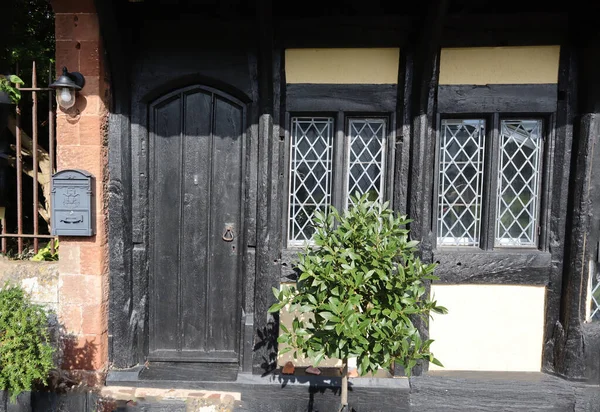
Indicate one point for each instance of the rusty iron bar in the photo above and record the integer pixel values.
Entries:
(34, 137)
(3, 244)
(19, 164)
(26, 236)
(51, 116)
(20, 236)
(35, 89)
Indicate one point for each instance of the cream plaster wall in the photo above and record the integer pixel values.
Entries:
(499, 65)
(342, 66)
(488, 327)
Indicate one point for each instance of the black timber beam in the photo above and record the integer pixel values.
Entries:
(422, 110)
(562, 140)
(577, 341)
(124, 325)
(267, 271)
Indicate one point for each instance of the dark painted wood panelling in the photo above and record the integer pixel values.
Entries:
(305, 97)
(197, 152)
(508, 98)
(493, 267)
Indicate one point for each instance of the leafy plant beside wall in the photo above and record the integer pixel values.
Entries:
(359, 289)
(25, 350)
(8, 85)
(46, 253)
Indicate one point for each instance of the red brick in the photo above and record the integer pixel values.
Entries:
(70, 317)
(67, 55)
(89, 58)
(90, 130)
(92, 86)
(92, 102)
(73, 6)
(93, 260)
(84, 352)
(69, 261)
(86, 27)
(94, 319)
(81, 157)
(67, 131)
(79, 289)
(64, 26)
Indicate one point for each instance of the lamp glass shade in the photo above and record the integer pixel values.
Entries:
(65, 97)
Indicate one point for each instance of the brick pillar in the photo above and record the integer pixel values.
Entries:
(83, 264)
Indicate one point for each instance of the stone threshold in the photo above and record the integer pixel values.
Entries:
(130, 378)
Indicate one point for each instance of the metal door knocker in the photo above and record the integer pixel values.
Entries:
(228, 236)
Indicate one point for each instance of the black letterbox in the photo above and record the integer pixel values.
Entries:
(72, 203)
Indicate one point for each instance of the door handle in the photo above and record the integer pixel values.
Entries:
(228, 235)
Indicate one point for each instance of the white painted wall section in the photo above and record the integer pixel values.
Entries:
(488, 327)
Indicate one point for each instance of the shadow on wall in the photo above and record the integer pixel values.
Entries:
(77, 353)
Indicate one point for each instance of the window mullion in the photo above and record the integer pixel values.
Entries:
(340, 165)
(490, 200)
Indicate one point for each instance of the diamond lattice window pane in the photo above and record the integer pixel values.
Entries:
(310, 174)
(366, 154)
(595, 295)
(518, 182)
(460, 187)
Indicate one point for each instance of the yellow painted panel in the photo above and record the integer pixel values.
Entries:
(489, 327)
(499, 65)
(342, 66)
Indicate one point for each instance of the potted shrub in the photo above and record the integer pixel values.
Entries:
(363, 286)
(26, 355)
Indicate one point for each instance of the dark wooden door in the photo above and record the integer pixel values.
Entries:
(196, 162)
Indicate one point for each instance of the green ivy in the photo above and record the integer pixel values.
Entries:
(46, 254)
(26, 355)
(363, 286)
(6, 85)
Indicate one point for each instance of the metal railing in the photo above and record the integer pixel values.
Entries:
(34, 158)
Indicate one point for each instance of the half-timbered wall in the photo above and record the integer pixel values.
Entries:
(384, 70)
(491, 192)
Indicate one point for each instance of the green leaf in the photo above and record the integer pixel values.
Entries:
(15, 79)
(275, 307)
(328, 316)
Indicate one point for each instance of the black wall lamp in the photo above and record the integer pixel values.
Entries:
(66, 87)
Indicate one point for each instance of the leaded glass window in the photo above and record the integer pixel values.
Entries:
(496, 181)
(310, 174)
(518, 183)
(325, 169)
(366, 154)
(460, 183)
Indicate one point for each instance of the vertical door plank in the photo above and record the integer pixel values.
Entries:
(196, 218)
(166, 209)
(223, 316)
